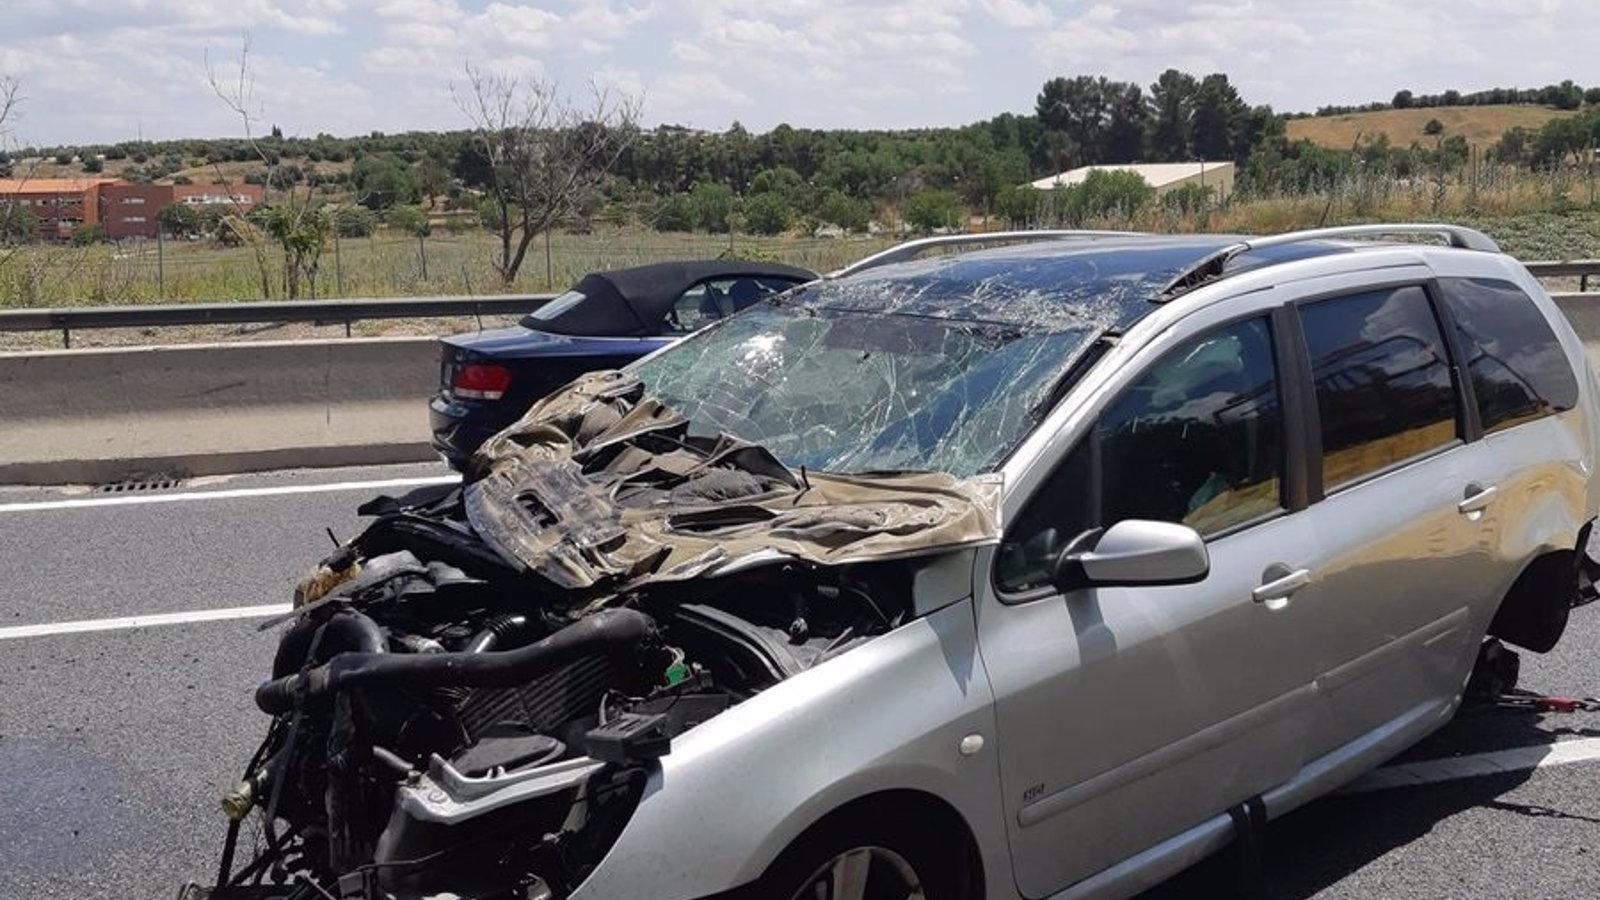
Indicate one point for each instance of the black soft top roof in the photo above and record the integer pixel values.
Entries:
(632, 302)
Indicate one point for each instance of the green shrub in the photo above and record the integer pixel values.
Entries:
(409, 219)
(354, 221)
(713, 203)
(179, 219)
(845, 211)
(17, 225)
(767, 213)
(930, 210)
(86, 234)
(93, 164)
(675, 213)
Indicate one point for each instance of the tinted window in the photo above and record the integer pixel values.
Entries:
(1199, 439)
(1062, 510)
(705, 303)
(1383, 382)
(1519, 372)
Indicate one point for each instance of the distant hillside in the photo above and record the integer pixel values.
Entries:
(1480, 125)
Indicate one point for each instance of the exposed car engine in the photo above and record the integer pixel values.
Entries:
(452, 676)
(468, 697)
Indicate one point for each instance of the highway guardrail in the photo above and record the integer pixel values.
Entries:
(322, 312)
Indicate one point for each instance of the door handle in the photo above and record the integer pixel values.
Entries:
(1281, 588)
(1477, 498)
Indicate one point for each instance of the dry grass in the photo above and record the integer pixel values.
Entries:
(385, 265)
(1480, 125)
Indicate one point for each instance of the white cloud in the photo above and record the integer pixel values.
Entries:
(99, 71)
(1019, 13)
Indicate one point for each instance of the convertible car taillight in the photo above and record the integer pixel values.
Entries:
(477, 381)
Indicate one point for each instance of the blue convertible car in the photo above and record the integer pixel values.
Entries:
(488, 379)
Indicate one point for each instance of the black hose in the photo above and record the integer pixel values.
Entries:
(613, 628)
(344, 630)
(498, 629)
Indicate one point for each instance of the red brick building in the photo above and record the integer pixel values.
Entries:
(121, 208)
(60, 204)
(132, 210)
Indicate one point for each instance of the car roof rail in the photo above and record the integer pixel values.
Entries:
(1214, 267)
(913, 249)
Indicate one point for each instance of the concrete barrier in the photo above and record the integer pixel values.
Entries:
(95, 416)
(104, 415)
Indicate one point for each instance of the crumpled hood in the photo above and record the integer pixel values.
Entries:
(600, 486)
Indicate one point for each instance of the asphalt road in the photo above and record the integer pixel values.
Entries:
(115, 744)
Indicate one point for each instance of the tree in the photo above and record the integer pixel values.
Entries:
(767, 213)
(87, 234)
(1172, 96)
(1403, 100)
(712, 203)
(1075, 111)
(432, 179)
(93, 164)
(545, 153)
(847, 212)
(299, 226)
(382, 181)
(1434, 127)
(1218, 114)
(1128, 120)
(179, 220)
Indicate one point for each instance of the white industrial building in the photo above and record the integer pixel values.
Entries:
(1161, 176)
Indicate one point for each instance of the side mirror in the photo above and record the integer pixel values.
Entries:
(1135, 552)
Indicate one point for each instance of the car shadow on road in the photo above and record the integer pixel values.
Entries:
(1318, 846)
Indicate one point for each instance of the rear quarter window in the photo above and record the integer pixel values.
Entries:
(1382, 376)
(1518, 369)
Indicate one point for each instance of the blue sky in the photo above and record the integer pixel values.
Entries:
(94, 70)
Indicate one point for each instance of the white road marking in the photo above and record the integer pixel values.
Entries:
(1477, 765)
(145, 621)
(231, 494)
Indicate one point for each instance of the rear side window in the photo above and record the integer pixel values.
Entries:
(1518, 369)
(1384, 391)
(1199, 438)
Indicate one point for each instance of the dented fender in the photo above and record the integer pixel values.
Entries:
(889, 715)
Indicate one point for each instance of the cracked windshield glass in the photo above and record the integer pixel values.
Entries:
(842, 391)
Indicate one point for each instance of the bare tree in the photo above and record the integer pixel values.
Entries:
(543, 153)
(15, 222)
(300, 227)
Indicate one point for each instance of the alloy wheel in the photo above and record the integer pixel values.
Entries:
(863, 873)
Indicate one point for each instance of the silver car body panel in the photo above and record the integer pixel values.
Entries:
(1119, 724)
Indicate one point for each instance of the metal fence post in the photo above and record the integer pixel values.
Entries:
(338, 265)
(161, 264)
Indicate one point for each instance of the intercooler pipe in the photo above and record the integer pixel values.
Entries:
(611, 628)
(345, 630)
(495, 633)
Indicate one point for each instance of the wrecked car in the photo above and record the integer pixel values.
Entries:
(1034, 571)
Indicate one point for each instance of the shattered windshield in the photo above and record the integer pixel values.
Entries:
(852, 392)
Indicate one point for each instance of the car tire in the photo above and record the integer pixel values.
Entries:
(872, 854)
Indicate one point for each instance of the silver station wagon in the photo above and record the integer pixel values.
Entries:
(1034, 571)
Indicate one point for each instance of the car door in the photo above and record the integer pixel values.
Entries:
(1399, 563)
(1127, 715)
